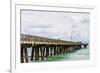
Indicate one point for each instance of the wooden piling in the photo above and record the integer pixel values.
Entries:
(47, 51)
(57, 50)
(22, 55)
(41, 50)
(51, 51)
(54, 50)
(36, 53)
(26, 55)
(44, 52)
(32, 53)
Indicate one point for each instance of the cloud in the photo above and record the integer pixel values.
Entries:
(56, 25)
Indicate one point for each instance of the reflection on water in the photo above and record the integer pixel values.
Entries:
(81, 54)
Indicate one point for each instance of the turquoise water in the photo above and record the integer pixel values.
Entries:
(81, 54)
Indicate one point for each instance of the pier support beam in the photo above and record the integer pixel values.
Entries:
(44, 55)
(54, 50)
(51, 50)
(47, 51)
(32, 53)
(85, 46)
(66, 49)
(24, 55)
(36, 53)
(42, 49)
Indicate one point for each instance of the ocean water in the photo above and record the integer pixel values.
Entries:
(81, 54)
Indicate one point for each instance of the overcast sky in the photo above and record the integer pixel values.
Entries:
(57, 25)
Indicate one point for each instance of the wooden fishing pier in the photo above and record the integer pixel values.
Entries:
(43, 47)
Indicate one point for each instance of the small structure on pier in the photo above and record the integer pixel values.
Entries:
(43, 47)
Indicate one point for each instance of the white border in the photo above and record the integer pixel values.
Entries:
(16, 66)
